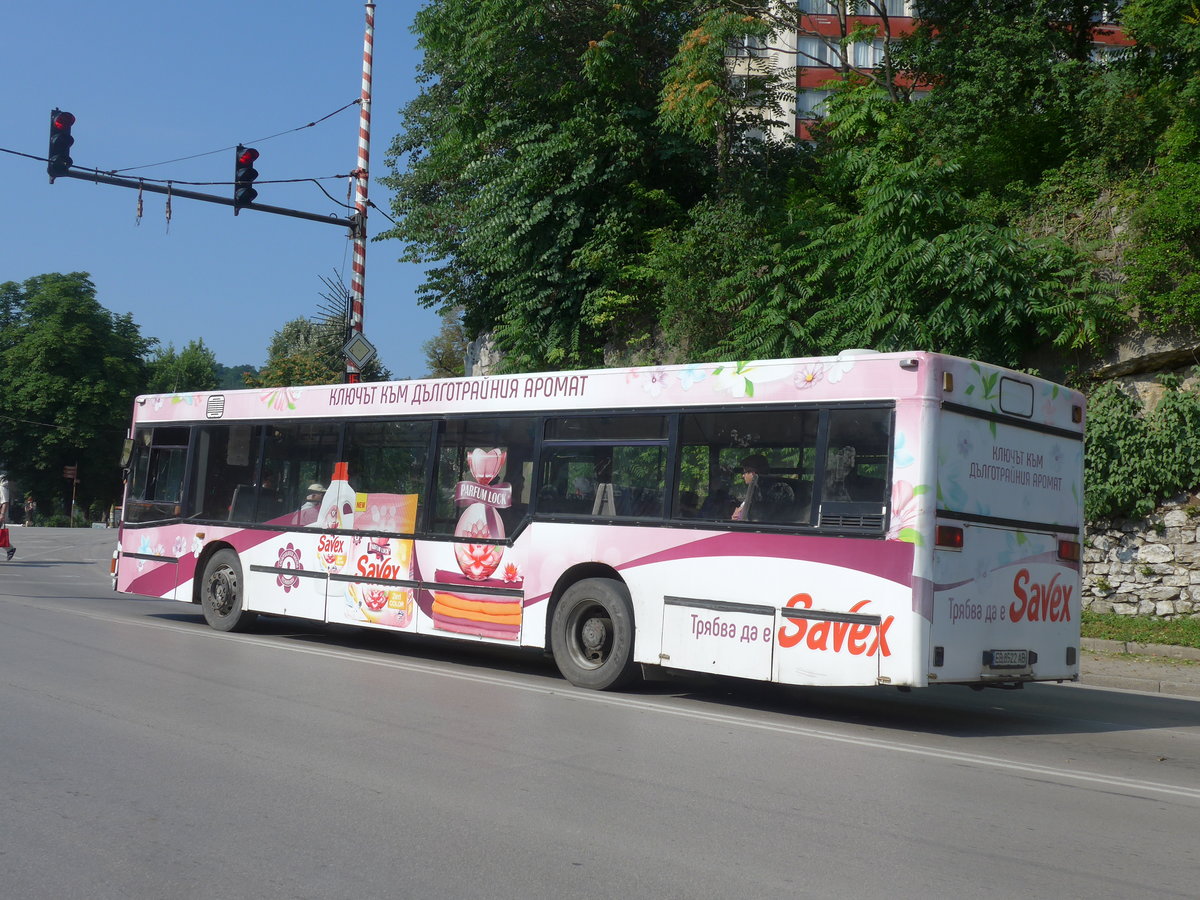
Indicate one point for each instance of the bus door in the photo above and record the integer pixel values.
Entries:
(149, 560)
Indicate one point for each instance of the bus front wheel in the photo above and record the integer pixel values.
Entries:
(221, 593)
(591, 635)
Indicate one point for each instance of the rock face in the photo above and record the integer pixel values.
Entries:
(1145, 567)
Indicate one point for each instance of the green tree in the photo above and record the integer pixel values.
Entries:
(1164, 260)
(717, 93)
(192, 369)
(309, 351)
(594, 192)
(233, 377)
(445, 352)
(1014, 87)
(70, 370)
(532, 160)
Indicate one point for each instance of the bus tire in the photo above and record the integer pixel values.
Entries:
(222, 593)
(591, 635)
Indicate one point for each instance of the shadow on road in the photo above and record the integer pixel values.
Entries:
(949, 711)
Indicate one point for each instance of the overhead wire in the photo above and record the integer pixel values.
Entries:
(234, 147)
(175, 181)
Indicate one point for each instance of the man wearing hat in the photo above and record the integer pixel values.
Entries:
(5, 499)
(752, 466)
(312, 503)
(315, 493)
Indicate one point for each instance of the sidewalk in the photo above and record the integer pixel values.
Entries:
(1156, 668)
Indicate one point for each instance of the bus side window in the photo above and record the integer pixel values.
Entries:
(390, 458)
(225, 457)
(482, 460)
(604, 466)
(156, 488)
(716, 448)
(856, 465)
(603, 481)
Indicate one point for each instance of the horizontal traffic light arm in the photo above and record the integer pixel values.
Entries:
(96, 177)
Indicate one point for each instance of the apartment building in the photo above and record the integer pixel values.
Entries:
(817, 51)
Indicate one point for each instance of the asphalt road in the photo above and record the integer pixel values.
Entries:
(144, 755)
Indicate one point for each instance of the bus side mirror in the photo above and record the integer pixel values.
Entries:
(126, 453)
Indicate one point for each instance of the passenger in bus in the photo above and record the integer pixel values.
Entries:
(312, 504)
(316, 493)
(718, 504)
(689, 505)
(838, 465)
(753, 467)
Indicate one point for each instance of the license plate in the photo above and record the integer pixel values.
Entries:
(1010, 659)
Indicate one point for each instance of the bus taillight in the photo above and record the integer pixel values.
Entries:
(1068, 550)
(949, 537)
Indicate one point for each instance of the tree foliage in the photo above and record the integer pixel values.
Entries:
(604, 183)
(531, 166)
(70, 370)
(309, 350)
(1136, 458)
(194, 368)
(445, 352)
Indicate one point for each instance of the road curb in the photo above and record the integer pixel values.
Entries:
(1165, 650)
(1148, 685)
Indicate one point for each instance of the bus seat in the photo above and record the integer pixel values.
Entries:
(241, 508)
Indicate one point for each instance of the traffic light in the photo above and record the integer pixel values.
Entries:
(59, 158)
(244, 174)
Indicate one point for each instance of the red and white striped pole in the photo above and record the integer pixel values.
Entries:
(362, 175)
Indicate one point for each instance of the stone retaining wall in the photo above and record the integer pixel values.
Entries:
(1147, 567)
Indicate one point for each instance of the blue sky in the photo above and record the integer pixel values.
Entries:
(150, 82)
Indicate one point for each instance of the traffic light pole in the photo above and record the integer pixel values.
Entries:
(351, 223)
(362, 179)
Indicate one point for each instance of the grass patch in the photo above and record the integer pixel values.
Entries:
(1141, 629)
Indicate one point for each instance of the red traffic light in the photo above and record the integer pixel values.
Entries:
(58, 159)
(244, 174)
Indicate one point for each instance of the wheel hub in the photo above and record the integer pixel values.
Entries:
(220, 592)
(595, 636)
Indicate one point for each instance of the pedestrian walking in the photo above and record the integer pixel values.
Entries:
(5, 499)
(30, 510)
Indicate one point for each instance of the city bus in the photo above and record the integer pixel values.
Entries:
(904, 519)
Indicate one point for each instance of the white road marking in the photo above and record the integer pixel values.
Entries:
(1111, 782)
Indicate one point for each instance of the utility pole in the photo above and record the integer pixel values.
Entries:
(358, 350)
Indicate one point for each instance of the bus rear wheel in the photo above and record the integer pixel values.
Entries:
(221, 593)
(591, 635)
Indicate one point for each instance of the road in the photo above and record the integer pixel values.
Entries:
(145, 755)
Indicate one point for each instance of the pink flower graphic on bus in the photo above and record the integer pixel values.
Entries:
(808, 375)
(656, 381)
(478, 560)
(280, 398)
(480, 521)
(906, 506)
(289, 558)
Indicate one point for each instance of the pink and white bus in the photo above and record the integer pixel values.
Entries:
(905, 519)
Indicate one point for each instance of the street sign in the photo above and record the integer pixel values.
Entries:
(359, 350)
